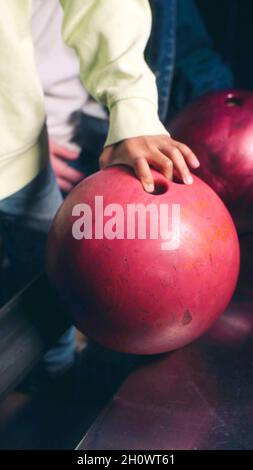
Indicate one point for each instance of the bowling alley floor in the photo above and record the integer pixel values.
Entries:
(48, 422)
(30, 423)
(198, 397)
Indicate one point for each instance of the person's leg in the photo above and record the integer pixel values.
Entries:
(25, 219)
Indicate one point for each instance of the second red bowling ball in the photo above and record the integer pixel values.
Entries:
(218, 127)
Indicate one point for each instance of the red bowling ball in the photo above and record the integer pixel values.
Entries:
(143, 273)
(219, 129)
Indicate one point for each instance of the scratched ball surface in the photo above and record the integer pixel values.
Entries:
(143, 273)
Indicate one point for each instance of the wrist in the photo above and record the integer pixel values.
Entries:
(133, 117)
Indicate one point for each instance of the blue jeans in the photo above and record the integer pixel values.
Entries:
(25, 219)
(181, 55)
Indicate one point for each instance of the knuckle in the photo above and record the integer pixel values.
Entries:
(102, 160)
(184, 147)
(130, 147)
(187, 150)
(146, 180)
(183, 168)
(175, 152)
(166, 138)
(138, 161)
(167, 164)
(145, 154)
(144, 175)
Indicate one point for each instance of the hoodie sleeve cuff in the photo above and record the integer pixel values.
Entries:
(133, 117)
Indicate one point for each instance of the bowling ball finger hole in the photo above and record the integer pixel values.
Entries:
(233, 100)
(160, 188)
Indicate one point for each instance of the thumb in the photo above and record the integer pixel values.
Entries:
(105, 156)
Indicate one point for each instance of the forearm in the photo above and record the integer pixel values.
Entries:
(110, 38)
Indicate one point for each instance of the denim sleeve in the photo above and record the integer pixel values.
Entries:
(198, 69)
(161, 49)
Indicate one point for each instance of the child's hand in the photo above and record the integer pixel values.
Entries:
(161, 152)
(66, 176)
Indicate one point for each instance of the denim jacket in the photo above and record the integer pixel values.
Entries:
(180, 54)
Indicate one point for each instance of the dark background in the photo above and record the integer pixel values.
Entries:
(230, 24)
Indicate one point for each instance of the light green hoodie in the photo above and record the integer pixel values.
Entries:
(109, 37)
